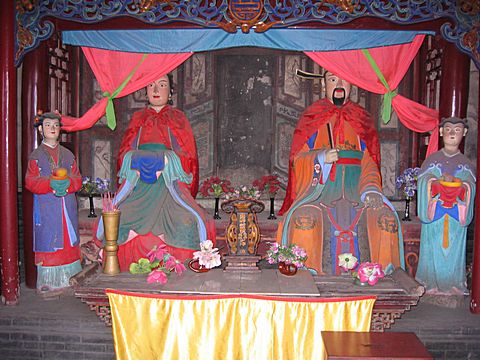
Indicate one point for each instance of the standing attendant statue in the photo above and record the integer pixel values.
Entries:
(53, 178)
(446, 193)
(334, 187)
(159, 179)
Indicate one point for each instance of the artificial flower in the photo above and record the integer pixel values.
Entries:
(215, 186)
(208, 256)
(290, 254)
(408, 180)
(157, 276)
(347, 261)
(158, 265)
(268, 183)
(157, 253)
(173, 264)
(370, 273)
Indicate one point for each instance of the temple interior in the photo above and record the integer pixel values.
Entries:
(238, 87)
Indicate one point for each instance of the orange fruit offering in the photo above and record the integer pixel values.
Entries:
(59, 174)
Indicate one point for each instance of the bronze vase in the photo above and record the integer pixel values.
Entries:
(111, 221)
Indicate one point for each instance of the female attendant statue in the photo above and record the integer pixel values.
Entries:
(446, 192)
(53, 178)
(158, 181)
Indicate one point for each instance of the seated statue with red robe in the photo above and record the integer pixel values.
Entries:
(334, 202)
(158, 181)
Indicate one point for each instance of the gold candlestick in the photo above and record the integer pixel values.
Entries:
(111, 220)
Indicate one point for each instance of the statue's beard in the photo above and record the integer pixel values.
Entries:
(338, 96)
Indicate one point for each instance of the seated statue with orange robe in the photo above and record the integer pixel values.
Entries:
(334, 189)
(159, 179)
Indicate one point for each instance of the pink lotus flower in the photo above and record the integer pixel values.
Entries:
(173, 264)
(370, 272)
(157, 253)
(157, 276)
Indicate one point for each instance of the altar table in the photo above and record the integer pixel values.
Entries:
(395, 294)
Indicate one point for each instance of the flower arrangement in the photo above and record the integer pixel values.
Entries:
(215, 186)
(268, 184)
(244, 191)
(365, 272)
(159, 264)
(208, 256)
(95, 187)
(289, 254)
(408, 181)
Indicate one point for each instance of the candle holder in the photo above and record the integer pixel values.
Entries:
(272, 209)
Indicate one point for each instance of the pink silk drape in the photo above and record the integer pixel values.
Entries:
(393, 61)
(111, 68)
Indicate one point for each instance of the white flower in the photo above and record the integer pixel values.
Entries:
(347, 261)
(208, 256)
(206, 245)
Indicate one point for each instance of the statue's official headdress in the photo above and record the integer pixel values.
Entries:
(308, 75)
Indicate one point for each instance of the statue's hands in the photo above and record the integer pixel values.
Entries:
(60, 187)
(331, 156)
(373, 200)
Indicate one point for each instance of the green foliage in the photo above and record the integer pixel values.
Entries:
(143, 266)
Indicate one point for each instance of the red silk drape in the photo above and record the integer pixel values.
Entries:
(111, 68)
(393, 61)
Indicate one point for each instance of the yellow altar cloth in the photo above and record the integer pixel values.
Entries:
(151, 326)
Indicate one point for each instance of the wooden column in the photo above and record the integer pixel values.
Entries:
(8, 157)
(475, 302)
(454, 82)
(34, 98)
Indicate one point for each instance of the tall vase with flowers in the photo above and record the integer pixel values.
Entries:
(407, 181)
(93, 188)
(216, 187)
(288, 257)
(270, 185)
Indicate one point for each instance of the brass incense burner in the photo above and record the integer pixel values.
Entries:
(111, 221)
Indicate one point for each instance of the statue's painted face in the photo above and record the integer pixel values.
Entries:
(453, 133)
(50, 130)
(337, 90)
(158, 92)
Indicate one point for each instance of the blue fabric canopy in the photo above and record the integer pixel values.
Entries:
(195, 40)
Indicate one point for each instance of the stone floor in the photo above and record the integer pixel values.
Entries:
(66, 329)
